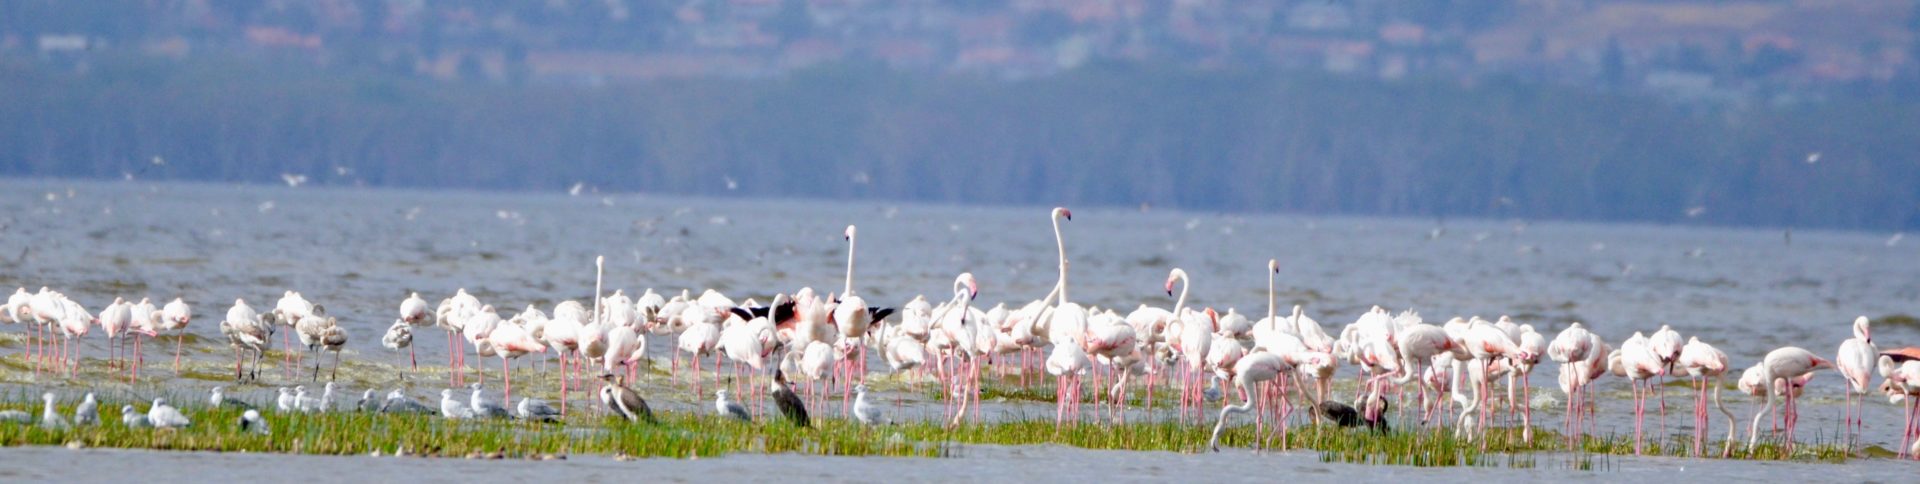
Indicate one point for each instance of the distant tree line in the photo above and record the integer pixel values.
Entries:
(1105, 134)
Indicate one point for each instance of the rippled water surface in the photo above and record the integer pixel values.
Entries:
(359, 252)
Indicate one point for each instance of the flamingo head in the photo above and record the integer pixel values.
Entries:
(966, 279)
(1863, 328)
(1816, 363)
(1273, 265)
(1062, 212)
(849, 232)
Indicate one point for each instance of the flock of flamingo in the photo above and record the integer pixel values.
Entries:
(1271, 363)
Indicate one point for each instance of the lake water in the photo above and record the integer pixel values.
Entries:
(360, 251)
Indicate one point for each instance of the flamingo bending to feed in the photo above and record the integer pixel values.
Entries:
(1706, 366)
(1789, 363)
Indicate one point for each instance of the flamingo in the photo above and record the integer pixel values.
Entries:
(1486, 343)
(1701, 362)
(333, 339)
(701, 337)
(1638, 363)
(1066, 363)
(289, 310)
(74, 323)
(1571, 348)
(1260, 366)
(1900, 381)
(413, 312)
(1665, 345)
(622, 342)
(1194, 340)
(1532, 347)
(174, 317)
(114, 320)
(1789, 363)
(314, 329)
(400, 335)
(14, 312)
(852, 319)
(246, 332)
(146, 322)
(1855, 360)
(562, 334)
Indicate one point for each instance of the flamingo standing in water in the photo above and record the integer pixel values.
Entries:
(510, 341)
(1261, 366)
(413, 312)
(146, 322)
(1790, 364)
(562, 335)
(399, 335)
(1195, 337)
(174, 317)
(1705, 366)
(1665, 345)
(1900, 381)
(114, 320)
(1855, 361)
(290, 310)
(74, 323)
(1639, 364)
(852, 319)
(246, 333)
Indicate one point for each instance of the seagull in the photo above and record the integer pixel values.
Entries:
(165, 416)
(88, 412)
(301, 402)
(251, 422)
(536, 410)
(451, 408)
(397, 402)
(482, 407)
(730, 408)
(325, 403)
(367, 403)
(132, 419)
(219, 399)
(866, 412)
(50, 418)
(788, 403)
(623, 401)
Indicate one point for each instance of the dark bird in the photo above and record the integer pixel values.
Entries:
(251, 422)
(780, 311)
(623, 401)
(1346, 416)
(789, 403)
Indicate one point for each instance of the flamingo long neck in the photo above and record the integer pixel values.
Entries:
(599, 271)
(852, 241)
(1060, 242)
(1181, 303)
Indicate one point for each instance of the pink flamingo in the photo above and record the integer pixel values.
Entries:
(1789, 363)
(174, 317)
(510, 341)
(1855, 361)
(1706, 366)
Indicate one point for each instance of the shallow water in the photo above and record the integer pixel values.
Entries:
(976, 464)
(360, 251)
